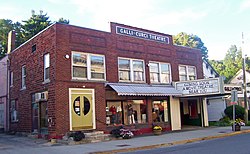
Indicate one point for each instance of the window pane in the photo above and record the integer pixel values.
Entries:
(191, 70)
(98, 63)
(114, 113)
(164, 68)
(46, 76)
(192, 77)
(138, 76)
(182, 70)
(23, 71)
(46, 61)
(160, 111)
(154, 77)
(124, 75)
(124, 64)
(183, 78)
(154, 67)
(97, 75)
(79, 59)
(137, 65)
(165, 78)
(135, 111)
(80, 72)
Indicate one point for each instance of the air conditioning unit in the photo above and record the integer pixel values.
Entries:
(43, 96)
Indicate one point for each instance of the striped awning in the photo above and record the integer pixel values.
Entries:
(123, 89)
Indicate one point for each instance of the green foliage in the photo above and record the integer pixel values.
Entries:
(225, 121)
(35, 24)
(239, 112)
(231, 64)
(63, 21)
(32, 26)
(192, 41)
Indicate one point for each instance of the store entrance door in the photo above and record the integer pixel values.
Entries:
(43, 117)
(82, 105)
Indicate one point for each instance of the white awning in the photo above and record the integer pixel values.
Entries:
(124, 89)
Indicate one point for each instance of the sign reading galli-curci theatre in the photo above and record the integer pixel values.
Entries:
(200, 87)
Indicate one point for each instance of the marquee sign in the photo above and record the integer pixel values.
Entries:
(142, 35)
(199, 87)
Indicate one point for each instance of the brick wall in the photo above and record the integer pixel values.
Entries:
(59, 40)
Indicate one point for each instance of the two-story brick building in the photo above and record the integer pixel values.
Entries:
(69, 78)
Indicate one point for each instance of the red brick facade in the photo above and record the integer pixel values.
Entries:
(60, 40)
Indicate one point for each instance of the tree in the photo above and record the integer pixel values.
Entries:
(32, 26)
(231, 63)
(192, 41)
(63, 21)
(6, 25)
(35, 24)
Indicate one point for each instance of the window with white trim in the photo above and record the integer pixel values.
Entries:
(11, 78)
(23, 77)
(46, 66)
(159, 72)
(88, 66)
(187, 73)
(13, 111)
(131, 70)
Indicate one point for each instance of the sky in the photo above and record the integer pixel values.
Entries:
(219, 23)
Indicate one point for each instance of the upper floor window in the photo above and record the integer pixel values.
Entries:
(46, 66)
(23, 77)
(88, 66)
(11, 79)
(131, 70)
(159, 72)
(187, 73)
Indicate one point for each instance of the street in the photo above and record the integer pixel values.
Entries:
(230, 145)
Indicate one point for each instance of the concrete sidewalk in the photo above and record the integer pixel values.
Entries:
(169, 139)
(126, 145)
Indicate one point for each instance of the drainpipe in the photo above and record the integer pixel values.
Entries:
(8, 97)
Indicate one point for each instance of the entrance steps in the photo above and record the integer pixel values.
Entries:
(90, 137)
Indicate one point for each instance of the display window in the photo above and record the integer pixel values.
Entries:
(160, 111)
(126, 112)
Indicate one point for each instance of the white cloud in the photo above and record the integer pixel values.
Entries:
(149, 14)
(245, 5)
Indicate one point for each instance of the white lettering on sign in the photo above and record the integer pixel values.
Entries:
(198, 87)
(142, 35)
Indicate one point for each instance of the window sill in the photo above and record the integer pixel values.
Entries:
(86, 80)
(24, 88)
(46, 81)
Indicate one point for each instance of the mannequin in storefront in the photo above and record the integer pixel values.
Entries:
(119, 115)
(131, 118)
(112, 109)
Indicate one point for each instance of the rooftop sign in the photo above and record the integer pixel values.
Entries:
(142, 35)
(200, 87)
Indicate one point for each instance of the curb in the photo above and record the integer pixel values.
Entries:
(172, 143)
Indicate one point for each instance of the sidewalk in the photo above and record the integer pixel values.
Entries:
(124, 145)
(167, 139)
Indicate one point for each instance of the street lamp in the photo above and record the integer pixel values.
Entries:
(244, 80)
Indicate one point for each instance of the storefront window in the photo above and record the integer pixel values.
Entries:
(160, 111)
(126, 112)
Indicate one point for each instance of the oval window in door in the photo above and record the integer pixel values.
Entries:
(76, 106)
(86, 106)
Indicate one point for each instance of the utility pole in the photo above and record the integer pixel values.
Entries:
(244, 82)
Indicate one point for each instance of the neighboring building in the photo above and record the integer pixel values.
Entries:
(208, 70)
(69, 78)
(215, 105)
(237, 82)
(3, 94)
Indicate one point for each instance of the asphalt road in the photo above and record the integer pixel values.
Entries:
(239, 144)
